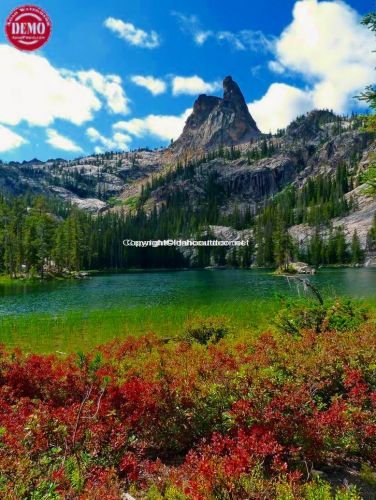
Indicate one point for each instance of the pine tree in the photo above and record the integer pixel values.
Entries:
(283, 246)
(371, 236)
(357, 255)
(315, 249)
(260, 244)
(341, 246)
(331, 248)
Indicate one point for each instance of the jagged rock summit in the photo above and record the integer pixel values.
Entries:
(217, 122)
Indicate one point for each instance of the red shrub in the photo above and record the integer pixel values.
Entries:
(224, 418)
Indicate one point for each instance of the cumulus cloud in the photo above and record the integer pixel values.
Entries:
(279, 106)
(34, 91)
(10, 140)
(327, 47)
(119, 141)
(59, 141)
(165, 127)
(108, 86)
(193, 85)
(31, 89)
(134, 36)
(155, 86)
(189, 85)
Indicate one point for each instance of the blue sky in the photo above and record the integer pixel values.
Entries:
(121, 74)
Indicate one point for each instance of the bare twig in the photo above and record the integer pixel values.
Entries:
(98, 405)
(85, 398)
(308, 284)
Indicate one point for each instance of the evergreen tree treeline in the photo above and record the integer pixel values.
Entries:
(37, 233)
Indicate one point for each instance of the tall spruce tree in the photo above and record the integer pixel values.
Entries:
(357, 255)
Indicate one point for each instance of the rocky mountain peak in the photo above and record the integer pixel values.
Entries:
(216, 122)
(310, 125)
(231, 90)
(202, 107)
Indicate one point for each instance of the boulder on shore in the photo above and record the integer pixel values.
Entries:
(302, 268)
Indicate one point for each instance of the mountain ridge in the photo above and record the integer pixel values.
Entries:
(246, 174)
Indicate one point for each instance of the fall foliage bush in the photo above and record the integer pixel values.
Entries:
(183, 420)
(206, 330)
(340, 314)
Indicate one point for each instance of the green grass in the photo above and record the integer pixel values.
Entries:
(78, 330)
(83, 330)
(132, 202)
(8, 281)
(115, 201)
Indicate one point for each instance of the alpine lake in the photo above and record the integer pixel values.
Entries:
(72, 315)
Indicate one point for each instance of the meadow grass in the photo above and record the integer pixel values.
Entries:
(14, 282)
(83, 330)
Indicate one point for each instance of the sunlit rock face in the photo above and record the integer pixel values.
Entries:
(217, 122)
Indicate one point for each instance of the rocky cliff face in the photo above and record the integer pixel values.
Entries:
(314, 144)
(217, 122)
(93, 183)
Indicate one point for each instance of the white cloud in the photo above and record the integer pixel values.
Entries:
(109, 86)
(232, 38)
(311, 34)
(279, 106)
(59, 141)
(193, 85)
(192, 26)
(154, 85)
(256, 40)
(31, 89)
(201, 36)
(131, 34)
(10, 140)
(190, 85)
(118, 141)
(165, 127)
(34, 91)
(276, 67)
(253, 40)
(326, 46)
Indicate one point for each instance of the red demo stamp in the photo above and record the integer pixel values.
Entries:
(28, 27)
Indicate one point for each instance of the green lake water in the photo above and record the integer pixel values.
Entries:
(80, 314)
(174, 287)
